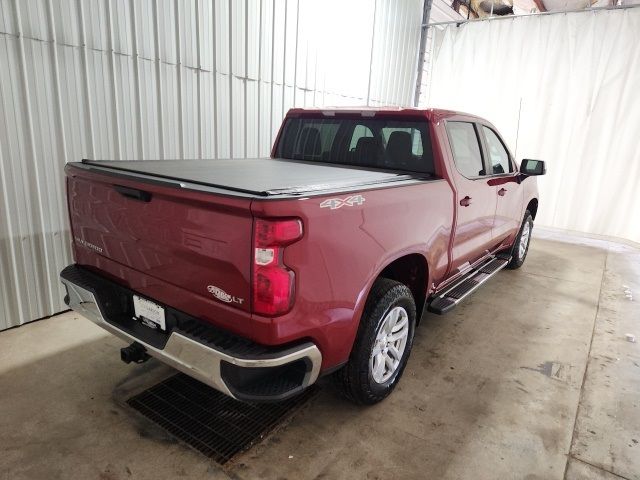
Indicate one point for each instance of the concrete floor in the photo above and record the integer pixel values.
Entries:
(531, 378)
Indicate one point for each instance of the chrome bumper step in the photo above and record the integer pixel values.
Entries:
(233, 365)
(451, 296)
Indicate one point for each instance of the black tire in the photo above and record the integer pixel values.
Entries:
(517, 257)
(355, 380)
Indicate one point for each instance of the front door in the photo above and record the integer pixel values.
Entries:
(508, 191)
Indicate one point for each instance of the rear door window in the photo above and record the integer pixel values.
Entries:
(466, 148)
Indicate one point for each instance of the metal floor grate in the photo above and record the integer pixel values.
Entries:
(209, 421)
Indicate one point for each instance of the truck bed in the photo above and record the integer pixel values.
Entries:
(262, 177)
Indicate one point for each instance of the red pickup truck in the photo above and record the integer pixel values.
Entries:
(256, 276)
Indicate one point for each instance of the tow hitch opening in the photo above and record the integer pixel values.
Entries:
(134, 353)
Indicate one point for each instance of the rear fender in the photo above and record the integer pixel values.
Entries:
(378, 272)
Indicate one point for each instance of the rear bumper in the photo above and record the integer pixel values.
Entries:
(233, 365)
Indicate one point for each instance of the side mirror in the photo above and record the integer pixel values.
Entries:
(532, 167)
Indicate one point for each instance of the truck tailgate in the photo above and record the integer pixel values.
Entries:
(198, 241)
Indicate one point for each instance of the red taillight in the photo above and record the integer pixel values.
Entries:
(273, 282)
(278, 232)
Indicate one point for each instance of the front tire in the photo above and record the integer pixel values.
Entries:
(521, 244)
(382, 346)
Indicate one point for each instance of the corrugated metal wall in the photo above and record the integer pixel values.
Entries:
(441, 11)
(130, 79)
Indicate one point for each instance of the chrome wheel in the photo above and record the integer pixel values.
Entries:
(389, 346)
(525, 236)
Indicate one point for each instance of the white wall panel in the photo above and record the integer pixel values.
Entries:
(236, 123)
(149, 109)
(223, 109)
(264, 118)
(562, 88)
(144, 28)
(207, 115)
(252, 126)
(125, 79)
(190, 114)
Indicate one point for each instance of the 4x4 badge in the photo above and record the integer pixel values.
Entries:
(334, 203)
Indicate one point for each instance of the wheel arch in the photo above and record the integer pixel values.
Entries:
(411, 270)
(532, 206)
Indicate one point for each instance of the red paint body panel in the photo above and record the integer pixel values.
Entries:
(343, 251)
(172, 247)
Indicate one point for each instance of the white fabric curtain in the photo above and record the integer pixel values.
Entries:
(564, 88)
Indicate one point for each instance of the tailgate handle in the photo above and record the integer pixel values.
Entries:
(133, 193)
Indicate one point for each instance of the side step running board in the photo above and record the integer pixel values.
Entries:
(448, 299)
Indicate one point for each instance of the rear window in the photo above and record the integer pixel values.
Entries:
(364, 142)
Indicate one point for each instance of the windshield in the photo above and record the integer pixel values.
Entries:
(364, 142)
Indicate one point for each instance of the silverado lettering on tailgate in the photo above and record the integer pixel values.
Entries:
(89, 245)
(224, 296)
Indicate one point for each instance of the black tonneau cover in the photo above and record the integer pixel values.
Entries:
(258, 176)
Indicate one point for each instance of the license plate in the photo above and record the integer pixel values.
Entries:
(149, 313)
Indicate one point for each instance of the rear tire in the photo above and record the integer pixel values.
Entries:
(382, 346)
(521, 244)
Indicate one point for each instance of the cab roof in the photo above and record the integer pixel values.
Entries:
(432, 114)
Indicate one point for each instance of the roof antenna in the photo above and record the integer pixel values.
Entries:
(515, 153)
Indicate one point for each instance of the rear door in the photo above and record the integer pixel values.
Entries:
(476, 200)
(503, 178)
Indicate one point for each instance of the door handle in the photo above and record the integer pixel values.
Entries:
(466, 201)
(502, 191)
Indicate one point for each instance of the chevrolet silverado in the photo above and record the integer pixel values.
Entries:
(257, 276)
